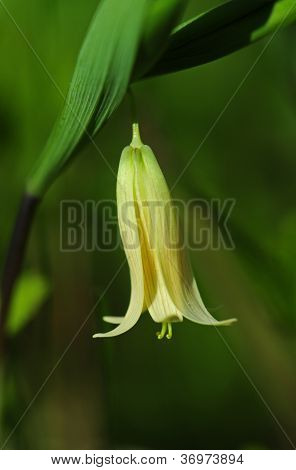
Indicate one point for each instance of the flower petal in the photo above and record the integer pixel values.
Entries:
(128, 322)
(130, 237)
(188, 296)
(151, 207)
(113, 320)
(177, 287)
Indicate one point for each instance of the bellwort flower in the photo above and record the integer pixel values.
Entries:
(162, 281)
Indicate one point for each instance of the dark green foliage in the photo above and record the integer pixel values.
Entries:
(223, 30)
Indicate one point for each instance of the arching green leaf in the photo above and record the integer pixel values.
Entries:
(99, 83)
(223, 30)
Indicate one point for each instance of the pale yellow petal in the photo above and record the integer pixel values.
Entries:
(113, 320)
(128, 322)
(187, 295)
(150, 215)
(130, 238)
(177, 287)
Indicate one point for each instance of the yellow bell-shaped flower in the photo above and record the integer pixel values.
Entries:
(162, 281)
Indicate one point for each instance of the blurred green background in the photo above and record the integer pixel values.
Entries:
(204, 389)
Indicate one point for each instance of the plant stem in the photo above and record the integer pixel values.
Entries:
(133, 106)
(15, 254)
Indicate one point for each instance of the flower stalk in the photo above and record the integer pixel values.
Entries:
(15, 254)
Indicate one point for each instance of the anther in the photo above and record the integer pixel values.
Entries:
(161, 334)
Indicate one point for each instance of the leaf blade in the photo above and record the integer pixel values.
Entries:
(99, 83)
(221, 31)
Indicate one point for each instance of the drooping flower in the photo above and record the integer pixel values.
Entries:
(162, 281)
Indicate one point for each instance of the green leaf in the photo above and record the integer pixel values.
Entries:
(30, 292)
(99, 84)
(106, 63)
(223, 30)
(160, 19)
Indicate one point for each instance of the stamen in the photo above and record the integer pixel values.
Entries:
(170, 331)
(161, 334)
(166, 331)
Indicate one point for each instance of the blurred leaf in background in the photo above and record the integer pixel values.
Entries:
(30, 292)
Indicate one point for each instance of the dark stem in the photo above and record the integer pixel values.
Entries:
(15, 254)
